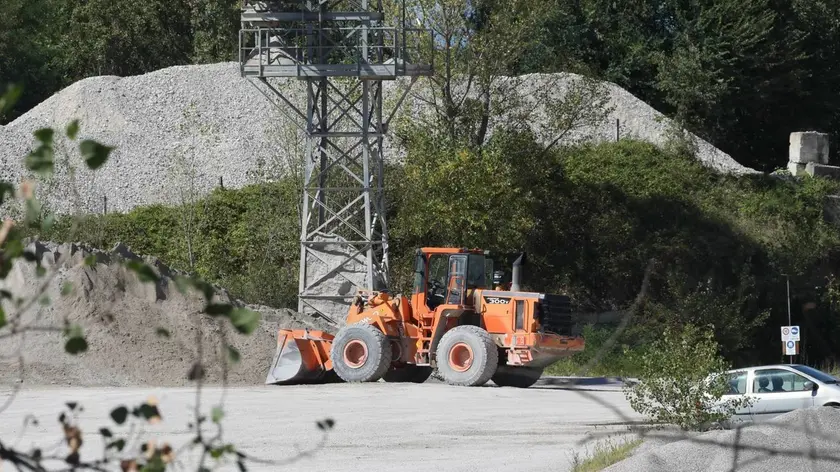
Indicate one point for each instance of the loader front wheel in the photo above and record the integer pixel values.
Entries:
(467, 356)
(360, 353)
(520, 377)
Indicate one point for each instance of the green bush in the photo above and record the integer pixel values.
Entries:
(244, 240)
(682, 381)
(590, 218)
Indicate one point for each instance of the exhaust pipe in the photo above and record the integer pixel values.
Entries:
(517, 273)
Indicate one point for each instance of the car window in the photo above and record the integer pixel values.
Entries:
(737, 383)
(778, 381)
(817, 374)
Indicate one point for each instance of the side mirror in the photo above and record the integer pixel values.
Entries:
(811, 386)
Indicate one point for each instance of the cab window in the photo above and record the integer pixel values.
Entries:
(477, 275)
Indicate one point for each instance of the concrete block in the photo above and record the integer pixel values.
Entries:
(808, 146)
(796, 169)
(820, 170)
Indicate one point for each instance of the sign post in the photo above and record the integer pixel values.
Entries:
(790, 341)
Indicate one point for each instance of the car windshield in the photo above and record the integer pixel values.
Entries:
(817, 374)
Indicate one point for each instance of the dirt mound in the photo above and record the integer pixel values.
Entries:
(121, 317)
(804, 439)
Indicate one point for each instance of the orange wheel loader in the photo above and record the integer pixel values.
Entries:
(455, 322)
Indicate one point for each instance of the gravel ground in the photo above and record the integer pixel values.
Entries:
(801, 440)
(120, 316)
(378, 427)
(192, 125)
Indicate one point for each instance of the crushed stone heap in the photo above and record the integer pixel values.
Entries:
(120, 316)
(804, 439)
(190, 126)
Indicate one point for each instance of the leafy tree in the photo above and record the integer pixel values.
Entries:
(215, 27)
(106, 37)
(25, 53)
(474, 44)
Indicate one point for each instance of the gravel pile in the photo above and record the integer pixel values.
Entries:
(805, 439)
(189, 126)
(120, 316)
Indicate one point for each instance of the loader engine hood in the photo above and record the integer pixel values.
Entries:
(554, 312)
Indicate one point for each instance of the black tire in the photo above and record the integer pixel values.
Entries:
(375, 361)
(483, 356)
(409, 373)
(520, 377)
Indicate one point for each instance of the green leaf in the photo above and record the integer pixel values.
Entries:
(90, 260)
(66, 288)
(45, 136)
(326, 425)
(2, 317)
(73, 129)
(245, 321)
(40, 161)
(106, 432)
(10, 97)
(45, 300)
(6, 189)
(94, 154)
(149, 411)
(216, 309)
(48, 222)
(119, 444)
(196, 372)
(33, 212)
(184, 283)
(76, 345)
(40, 271)
(217, 414)
(162, 332)
(143, 271)
(233, 354)
(119, 415)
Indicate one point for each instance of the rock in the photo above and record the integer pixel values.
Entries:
(821, 170)
(796, 169)
(808, 146)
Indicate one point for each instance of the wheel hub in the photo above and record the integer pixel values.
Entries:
(355, 354)
(460, 357)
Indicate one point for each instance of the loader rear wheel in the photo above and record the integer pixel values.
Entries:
(360, 353)
(467, 356)
(520, 377)
(409, 373)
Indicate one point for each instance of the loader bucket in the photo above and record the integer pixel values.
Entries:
(302, 356)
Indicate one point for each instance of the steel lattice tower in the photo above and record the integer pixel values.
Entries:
(343, 52)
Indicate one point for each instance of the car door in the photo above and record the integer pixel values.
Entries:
(777, 391)
(738, 383)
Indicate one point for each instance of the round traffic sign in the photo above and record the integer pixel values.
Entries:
(791, 344)
(785, 330)
(794, 330)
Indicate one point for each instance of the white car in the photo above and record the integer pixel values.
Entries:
(778, 389)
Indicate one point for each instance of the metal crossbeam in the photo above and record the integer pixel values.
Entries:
(342, 51)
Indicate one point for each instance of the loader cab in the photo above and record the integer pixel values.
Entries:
(447, 276)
